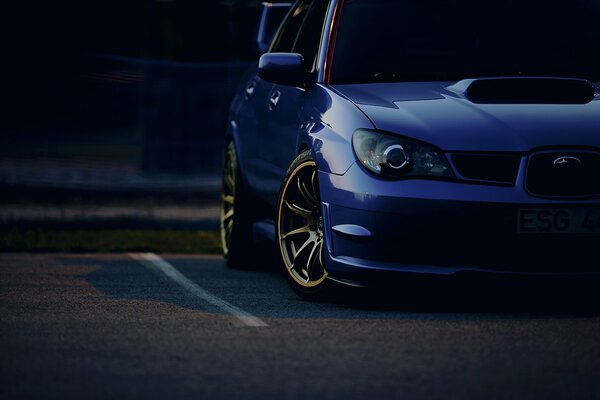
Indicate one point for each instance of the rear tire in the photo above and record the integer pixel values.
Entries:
(236, 214)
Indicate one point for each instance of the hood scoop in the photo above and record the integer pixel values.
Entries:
(524, 90)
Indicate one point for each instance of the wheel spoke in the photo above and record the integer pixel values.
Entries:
(227, 198)
(302, 248)
(304, 229)
(231, 182)
(298, 210)
(312, 258)
(321, 254)
(305, 193)
(293, 249)
(228, 215)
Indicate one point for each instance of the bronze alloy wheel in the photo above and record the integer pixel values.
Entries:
(300, 226)
(228, 197)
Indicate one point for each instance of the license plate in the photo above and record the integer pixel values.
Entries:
(559, 220)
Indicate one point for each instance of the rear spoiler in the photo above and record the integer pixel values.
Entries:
(263, 38)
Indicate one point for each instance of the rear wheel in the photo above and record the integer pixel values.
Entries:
(236, 214)
(300, 229)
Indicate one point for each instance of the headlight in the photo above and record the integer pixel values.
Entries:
(395, 157)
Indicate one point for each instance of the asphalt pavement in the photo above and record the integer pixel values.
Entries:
(186, 327)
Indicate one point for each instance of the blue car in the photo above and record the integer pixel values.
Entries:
(377, 138)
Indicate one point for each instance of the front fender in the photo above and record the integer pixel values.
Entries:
(329, 134)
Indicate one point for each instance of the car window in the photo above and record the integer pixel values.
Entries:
(448, 40)
(285, 38)
(309, 38)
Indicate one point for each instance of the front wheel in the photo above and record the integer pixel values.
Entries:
(300, 229)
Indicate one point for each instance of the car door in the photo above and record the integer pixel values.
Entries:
(278, 132)
(250, 111)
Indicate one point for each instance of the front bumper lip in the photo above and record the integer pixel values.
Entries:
(368, 273)
(415, 217)
(361, 265)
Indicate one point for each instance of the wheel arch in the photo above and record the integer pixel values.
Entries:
(329, 120)
(232, 135)
(302, 148)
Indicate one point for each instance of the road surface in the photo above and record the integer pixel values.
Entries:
(185, 327)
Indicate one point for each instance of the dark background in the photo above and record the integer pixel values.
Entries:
(144, 82)
(113, 117)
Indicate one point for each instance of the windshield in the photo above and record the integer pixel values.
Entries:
(449, 40)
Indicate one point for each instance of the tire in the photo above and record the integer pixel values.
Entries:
(299, 230)
(236, 216)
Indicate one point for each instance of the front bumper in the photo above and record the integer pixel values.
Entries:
(441, 227)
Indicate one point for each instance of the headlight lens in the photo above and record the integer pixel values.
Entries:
(395, 157)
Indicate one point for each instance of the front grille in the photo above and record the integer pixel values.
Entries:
(498, 168)
(568, 174)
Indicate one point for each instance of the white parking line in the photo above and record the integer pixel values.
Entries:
(154, 262)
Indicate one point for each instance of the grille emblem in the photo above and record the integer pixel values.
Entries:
(568, 161)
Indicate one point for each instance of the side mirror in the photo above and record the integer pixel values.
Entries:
(283, 69)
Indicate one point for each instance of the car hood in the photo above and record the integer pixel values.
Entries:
(436, 113)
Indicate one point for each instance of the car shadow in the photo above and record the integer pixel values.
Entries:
(263, 292)
(527, 295)
(125, 279)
